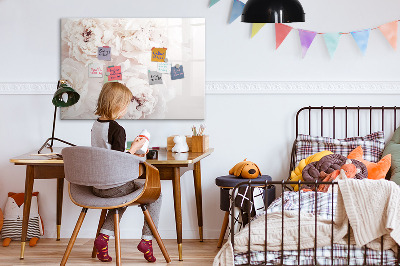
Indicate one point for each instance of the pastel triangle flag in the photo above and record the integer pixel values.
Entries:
(389, 30)
(256, 28)
(237, 9)
(332, 41)
(361, 37)
(306, 39)
(281, 31)
(213, 2)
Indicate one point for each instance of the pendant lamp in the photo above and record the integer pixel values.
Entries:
(273, 11)
(63, 97)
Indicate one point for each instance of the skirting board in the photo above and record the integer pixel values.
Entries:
(250, 87)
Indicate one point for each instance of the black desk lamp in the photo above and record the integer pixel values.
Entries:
(64, 96)
(273, 11)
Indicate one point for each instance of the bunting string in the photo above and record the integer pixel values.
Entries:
(361, 37)
(343, 33)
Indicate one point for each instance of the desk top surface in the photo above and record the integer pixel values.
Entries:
(164, 157)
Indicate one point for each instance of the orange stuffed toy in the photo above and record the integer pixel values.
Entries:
(375, 170)
(245, 169)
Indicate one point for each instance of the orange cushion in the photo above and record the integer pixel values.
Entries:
(375, 170)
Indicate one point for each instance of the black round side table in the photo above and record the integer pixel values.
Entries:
(228, 182)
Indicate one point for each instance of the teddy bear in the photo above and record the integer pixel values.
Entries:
(13, 215)
(180, 144)
(245, 169)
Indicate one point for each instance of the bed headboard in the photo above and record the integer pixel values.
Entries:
(375, 114)
(344, 121)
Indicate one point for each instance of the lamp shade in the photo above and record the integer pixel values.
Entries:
(273, 11)
(65, 96)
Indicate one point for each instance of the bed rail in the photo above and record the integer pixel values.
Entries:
(336, 122)
(265, 185)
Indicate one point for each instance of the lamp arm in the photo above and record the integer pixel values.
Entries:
(46, 143)
(54, 126)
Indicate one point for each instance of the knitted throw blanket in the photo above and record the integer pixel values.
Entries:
(373, 209)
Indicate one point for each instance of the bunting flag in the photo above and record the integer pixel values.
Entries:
(389, 30)
(332, 41)
(306, 39)
(256, 28)
(213, 2)
(361, 37)
(281, 31)
(237, 9)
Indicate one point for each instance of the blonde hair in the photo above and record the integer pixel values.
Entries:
(113, 98)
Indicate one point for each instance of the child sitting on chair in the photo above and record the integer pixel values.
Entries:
(112, 104)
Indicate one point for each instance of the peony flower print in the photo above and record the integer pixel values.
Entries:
(131, 41)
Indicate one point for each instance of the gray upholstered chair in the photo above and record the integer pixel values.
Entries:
(85, 167)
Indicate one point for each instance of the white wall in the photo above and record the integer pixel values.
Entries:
(259, 127)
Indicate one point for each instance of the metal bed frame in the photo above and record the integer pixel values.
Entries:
(284, 183)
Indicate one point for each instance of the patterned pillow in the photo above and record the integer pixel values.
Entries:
(372, 144)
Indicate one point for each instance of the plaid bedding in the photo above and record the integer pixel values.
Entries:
(340, 253)
(306, 202)
(323, 207)
(372, 145)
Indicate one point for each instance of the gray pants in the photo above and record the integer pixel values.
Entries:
(154, 208)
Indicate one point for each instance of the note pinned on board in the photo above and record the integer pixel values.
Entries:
(158, 54)
(164, 67)
(155, 77)
(115, 73)
(104, 53)
(95, 70)
(105, 78)
(177, 72)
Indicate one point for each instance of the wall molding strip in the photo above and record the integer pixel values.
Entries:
(304, 87)
(249, 87)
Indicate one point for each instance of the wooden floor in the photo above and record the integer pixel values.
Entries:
(50, 252)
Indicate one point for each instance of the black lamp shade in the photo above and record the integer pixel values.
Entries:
(273, 11)
(73, 96)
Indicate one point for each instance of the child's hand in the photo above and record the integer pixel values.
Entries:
(143, 155)
(137, 144)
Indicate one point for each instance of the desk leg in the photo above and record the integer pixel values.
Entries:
(176, 182)
(27, 206)
(60, 190)
(199, 204)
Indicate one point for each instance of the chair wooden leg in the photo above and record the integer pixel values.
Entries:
(154, 230)
(223, 229)
(73, 237)
(101, 222)
(117, 239)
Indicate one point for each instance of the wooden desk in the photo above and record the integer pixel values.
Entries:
(171, 167)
